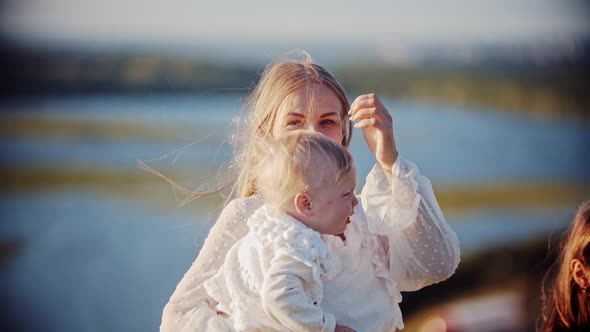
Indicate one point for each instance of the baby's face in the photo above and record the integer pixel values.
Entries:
(333, 204)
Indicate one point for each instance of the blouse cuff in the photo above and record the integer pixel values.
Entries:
(390, 208)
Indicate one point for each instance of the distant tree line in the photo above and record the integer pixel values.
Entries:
(33, 72)
(559, 88)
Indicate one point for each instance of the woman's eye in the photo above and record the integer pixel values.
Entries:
(327, 122)
(294, 123)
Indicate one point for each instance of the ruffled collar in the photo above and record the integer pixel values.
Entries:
(287, 234)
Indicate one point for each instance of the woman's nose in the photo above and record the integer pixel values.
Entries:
(312, 127)
(355, 201)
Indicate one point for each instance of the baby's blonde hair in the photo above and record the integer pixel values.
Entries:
(300, 161)
(278, 81)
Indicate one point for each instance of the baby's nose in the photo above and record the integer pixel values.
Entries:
(355, 201)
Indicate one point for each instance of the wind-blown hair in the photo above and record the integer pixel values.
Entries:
(300, 161)
(566, 307)
(278, 81)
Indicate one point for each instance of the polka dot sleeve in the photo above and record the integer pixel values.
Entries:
(421, 247)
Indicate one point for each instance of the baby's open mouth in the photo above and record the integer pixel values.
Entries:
(348, 220)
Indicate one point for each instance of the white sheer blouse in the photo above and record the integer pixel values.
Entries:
(420, 246)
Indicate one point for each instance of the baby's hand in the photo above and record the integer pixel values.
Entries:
(340, 328)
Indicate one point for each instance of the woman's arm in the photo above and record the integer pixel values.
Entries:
(401, 207)
(377, 125)
(189, 307)
(421, 247)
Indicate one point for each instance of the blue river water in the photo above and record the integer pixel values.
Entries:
(95, 262)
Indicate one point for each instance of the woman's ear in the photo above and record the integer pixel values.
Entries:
(580, 273)
(303, 204)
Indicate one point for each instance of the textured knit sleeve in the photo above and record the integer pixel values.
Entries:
(284, 298)
(189, 307)
(298, 261)
(421, 247)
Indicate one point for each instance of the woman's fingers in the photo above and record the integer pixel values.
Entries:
(365, 123)
(374, 123)
(368, 106)
(377, 124)
(357, 106)
(363, 113)
(366, 96)
(365, 101)
(372, 112)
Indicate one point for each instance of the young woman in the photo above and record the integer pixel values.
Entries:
(397, 202)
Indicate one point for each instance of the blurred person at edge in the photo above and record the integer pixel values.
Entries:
(566, 305)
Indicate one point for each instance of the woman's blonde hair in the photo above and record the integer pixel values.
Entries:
(300, 161)
(565, 305)
(278, 81)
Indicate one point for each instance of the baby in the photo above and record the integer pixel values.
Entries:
(273, 278)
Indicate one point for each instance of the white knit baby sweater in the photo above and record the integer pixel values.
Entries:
(273, 277)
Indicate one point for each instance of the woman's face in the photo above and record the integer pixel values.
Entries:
(322, 114)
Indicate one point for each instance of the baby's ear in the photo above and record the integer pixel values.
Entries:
(303, 204)
(580, 274)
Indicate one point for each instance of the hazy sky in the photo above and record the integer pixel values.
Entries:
(336, 21)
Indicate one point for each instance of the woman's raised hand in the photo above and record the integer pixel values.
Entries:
(369, 114)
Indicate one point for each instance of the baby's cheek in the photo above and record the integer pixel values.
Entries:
(331, 202)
